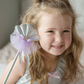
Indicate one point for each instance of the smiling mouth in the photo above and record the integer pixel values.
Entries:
(58, 47)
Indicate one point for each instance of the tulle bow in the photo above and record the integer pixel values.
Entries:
(23, 39)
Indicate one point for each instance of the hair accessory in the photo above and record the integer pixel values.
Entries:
(23, 39)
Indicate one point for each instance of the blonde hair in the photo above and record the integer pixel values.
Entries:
(37, 67)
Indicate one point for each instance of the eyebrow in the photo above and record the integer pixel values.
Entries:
(55, 28)
(67, 28)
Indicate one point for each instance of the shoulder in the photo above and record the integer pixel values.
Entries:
(16, 71)
(19, 65)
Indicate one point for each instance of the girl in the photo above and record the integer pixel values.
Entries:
(58, 57)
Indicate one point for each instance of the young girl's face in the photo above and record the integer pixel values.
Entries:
(55, 33)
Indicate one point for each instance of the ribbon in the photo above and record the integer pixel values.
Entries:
(53, 75)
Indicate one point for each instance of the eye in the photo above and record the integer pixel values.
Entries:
(51, 31)
(66, 31)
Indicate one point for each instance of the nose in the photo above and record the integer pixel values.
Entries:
(59, 38)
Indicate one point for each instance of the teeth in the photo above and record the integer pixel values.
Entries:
(58, 46)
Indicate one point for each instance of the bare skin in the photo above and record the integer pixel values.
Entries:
(50, 62)
(15, 73)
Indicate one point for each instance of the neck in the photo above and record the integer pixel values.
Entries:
(50, 61)
(49, 57)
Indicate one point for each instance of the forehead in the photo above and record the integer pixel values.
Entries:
(54, 20)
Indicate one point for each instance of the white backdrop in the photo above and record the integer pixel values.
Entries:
(78, 5)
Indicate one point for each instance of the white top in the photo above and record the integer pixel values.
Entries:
(53, 80)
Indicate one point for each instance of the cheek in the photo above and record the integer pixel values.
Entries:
(45, 41)
(68, 39)
(42, 41)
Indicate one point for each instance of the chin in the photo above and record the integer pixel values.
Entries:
(57, 53)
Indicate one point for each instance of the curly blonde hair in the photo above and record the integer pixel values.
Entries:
(37, 67)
